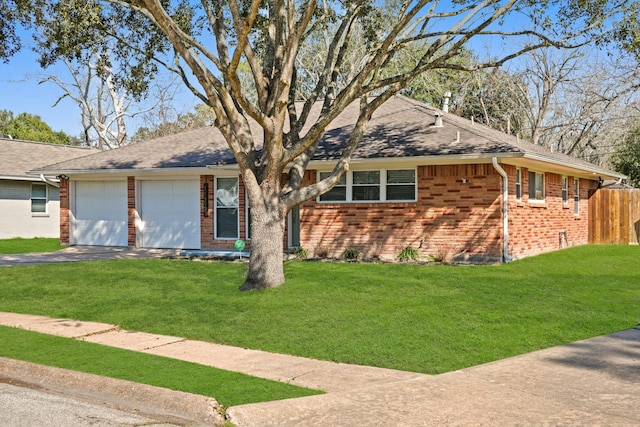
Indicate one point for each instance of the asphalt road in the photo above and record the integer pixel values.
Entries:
(26, 407)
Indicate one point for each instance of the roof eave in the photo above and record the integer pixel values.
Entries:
(579, 168)
(129, 172)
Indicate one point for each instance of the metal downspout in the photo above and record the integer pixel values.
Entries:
(505, 210)
(55, 183)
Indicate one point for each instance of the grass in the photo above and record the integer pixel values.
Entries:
(429, 319)
(21, 246)
(228, 388)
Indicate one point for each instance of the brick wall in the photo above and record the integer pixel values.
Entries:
(64, 211)
(535, 227)
(207, 217)
(458, 216)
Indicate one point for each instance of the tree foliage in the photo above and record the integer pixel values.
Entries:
(161, 125)
(30, 127)
(626, 157)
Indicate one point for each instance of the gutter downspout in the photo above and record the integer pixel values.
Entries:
(505, 210)
(50, 181)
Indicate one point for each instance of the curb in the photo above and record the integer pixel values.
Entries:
(160, 403)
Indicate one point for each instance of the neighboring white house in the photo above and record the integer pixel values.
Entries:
(30, 204)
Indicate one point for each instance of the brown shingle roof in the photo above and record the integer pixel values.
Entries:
(17, 157)
(401, 127)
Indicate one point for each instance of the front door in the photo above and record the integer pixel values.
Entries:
(294, 227)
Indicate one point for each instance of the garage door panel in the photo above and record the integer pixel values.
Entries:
(170, 214)
(101, 213)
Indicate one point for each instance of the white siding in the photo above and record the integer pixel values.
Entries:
(16, 219)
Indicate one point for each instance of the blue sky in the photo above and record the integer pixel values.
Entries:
(21, 93)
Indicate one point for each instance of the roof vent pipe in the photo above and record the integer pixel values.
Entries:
(445, 101)
(438, 123)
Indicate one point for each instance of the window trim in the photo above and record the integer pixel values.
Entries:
(216, 208)
(45, 198)
(576, 196)
(518, 182)
(383, 184)
(544, 192)
(565, 190)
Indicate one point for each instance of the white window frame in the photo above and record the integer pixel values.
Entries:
(45, 198)
(576, 196)
(518, 185)
(544, 195)
(565, 190)
(247, 217)
(217, 207)
(382, 184)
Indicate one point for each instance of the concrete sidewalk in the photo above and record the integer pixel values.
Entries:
(592, 382)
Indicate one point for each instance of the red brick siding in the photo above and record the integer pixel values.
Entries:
(64, 211)
(456, 219)
(535, 228)
(131, 211)
(451, 218)
(207, 227)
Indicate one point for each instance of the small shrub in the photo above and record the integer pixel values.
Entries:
(409, 254)
(301, 253)
(322, 252)
(351, 253)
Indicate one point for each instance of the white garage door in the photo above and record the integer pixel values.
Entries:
(170, 214)
(100, 213)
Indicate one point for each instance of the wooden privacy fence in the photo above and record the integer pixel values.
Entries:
(614, 216)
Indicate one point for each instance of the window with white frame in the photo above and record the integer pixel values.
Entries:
(576, 196)
(247, 218)
(518, 184)
(227, 203)
(372, 186)
(565, 190)
(536, 187)
(338, 193)
(39, 197)
(366, 186)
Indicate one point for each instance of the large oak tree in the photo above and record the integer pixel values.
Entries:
(209, 43)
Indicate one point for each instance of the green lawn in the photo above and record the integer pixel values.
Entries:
(228, 388)
(429, 319)
(21, 246)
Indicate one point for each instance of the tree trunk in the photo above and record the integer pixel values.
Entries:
(266, 268)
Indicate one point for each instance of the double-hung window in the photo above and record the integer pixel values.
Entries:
(401, 184)
(565, 190)
(536, 187)
(518, 184)
(227, 204)
(576, 196)
(381, 185)
(39, 198)
(366, 186)
(338, 193)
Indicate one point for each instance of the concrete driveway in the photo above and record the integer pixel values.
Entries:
(84, 253)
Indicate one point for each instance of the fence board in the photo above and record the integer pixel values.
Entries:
(614, 216)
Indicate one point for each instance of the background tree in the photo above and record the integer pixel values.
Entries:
(30, 127)
(626, 157)
(164, 121)
(205, 43)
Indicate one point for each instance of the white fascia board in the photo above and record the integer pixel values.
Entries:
(19, 178)
(580, 170)
(127, 172)
(452, 159)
